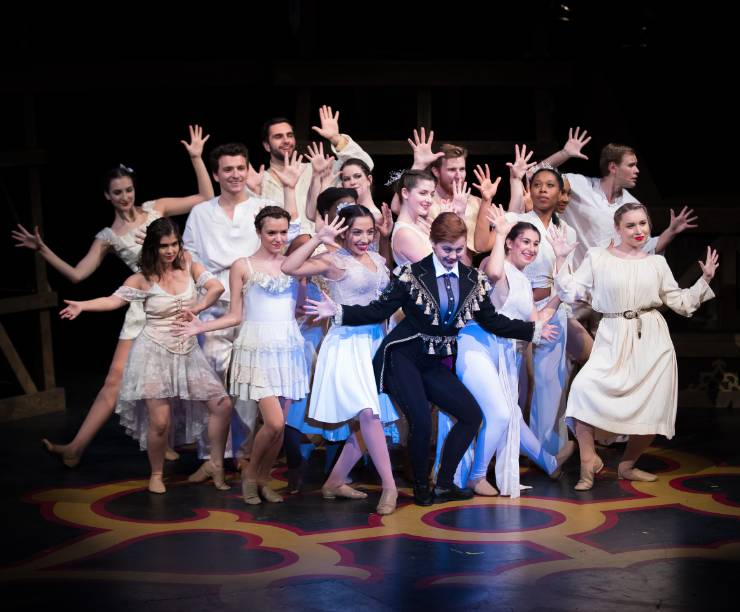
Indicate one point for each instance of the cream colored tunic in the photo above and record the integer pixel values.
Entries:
(629, 384)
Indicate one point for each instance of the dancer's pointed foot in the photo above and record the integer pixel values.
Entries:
(342, 491)
(207, 470)
(484, 488)
(270, 495)
(565, 453)
(171, 455)
(68, 457)
(250, 492)
(632, 473)
(156, 484)
(387, 503)
(589, 471)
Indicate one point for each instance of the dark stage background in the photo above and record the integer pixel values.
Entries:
(122, 88)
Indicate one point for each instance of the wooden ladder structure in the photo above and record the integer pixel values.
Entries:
(43, 396)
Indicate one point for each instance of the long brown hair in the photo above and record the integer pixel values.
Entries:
(149, 262)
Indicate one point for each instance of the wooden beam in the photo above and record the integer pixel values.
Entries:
(22, 159)
(16, 363)
(25, 406)
(23, 303)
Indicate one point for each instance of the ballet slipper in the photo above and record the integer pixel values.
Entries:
(342, 491)
(156, 484)
(484, 488)
(71, 460)
(588, 473)
(387, 503)
(250, 492)
(171, 455)
(635, 474)
(563, 456)
(270, 495)
(209, 470)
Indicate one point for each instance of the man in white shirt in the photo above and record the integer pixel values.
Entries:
(221, 230)
(593, 200)
(278, 139)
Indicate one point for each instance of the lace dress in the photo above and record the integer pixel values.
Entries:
(344, 383)
(127, 250)
(161, 365)
(268, 357)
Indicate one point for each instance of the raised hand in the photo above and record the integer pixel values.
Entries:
(197, 141)
(385, 225)
(557, 237)
(320, 164)
(25, 239)
(497, 218)
(460, 194)
(549, 332)
(292, 170)
(520, 167)
(422, 148)
(140, 235)
(321, 310)
(576, 141)
(486, 187)
(254, 178)
(424, 225)
(329, 124)
(72, 311)
(329, 231)
(682, 221)
(709, 267)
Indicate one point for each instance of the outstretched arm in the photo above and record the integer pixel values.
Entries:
(84, 268)
(131, 290)
(168, 207)
(494, 269)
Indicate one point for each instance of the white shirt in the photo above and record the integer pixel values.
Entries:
(440, 270)
(272, 189)
(541, 271)
(216, 241)
(591, 215)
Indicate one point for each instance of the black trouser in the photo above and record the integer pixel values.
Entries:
(414, 379)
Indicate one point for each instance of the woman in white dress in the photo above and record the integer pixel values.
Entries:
(344, 386)
(268, 363)
(167, 383)
(489, 366)
(629, 384)
(121, 240)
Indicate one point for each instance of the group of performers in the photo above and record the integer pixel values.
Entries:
(457, 309)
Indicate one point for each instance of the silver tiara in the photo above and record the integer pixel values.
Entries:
(543, 165)
(393, 177)
(342, 205)
(126, 168)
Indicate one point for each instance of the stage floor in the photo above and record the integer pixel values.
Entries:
(94, 538)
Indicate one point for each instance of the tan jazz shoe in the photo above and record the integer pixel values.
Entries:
(209, 470)
(342, 491)
(387, 503)
(588, 473)
(635, 474)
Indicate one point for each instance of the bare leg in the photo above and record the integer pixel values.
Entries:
(156, 441)
(218, 430)
(266, 446)
(100, 411)
(591, 463)
(636, 445)
(579, 342)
